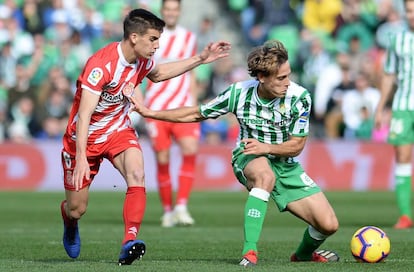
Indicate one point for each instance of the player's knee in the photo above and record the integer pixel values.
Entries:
(136, 177)
(77, 211)
(266, 180)
(331, 226)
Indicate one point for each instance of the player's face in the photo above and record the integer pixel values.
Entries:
(146, 45)
(409, 13)
(170, 13)
(275, 85)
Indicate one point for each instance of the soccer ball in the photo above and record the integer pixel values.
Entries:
(370, 244)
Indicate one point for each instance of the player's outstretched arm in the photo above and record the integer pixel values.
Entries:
(178, 115)
(211, 52)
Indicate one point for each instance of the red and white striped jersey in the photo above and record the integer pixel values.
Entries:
(175, 92)
(108, 75)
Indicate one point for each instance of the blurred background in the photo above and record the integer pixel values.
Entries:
(336, 50)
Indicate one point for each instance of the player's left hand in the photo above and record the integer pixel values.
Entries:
(214, 51)
(139, 107)
(254, 147)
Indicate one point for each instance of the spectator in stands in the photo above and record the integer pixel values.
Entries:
(365, 128)
(22, 118)
(214, 131)
(261, 15)
(321, 15)
(33, 21)
(357, 23)
(363, 96)
(316, 60)
(205, 32)
(74, 52)
(333, 119)
(8, 65)
(60, 29)
(331, 77)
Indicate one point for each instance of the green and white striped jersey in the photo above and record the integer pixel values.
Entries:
(269, 122)
(400, 61)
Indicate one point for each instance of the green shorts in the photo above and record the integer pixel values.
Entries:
(292, 183)
(401, 128)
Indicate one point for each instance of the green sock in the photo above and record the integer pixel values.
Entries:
(403, 194)
(307, 246)
(254, 215)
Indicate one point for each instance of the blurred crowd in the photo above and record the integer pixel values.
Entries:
(336, 50)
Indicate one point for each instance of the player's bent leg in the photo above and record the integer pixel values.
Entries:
(316, 211)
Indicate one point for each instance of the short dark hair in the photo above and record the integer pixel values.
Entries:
(140, 20)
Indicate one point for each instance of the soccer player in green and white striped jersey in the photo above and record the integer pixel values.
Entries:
(273, 114)
(399, 69)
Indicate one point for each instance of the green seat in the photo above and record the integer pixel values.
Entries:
(289, 35)
(237, 5)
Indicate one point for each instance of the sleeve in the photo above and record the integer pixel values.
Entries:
(217, 106)
(94, 76)
(301, 114)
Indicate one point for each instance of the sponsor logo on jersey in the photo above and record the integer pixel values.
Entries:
(117, 98)
(110, 86)
(249, 121)
(95, 76)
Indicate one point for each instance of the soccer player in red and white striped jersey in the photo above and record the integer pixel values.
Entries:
(176, 43)
(99, 126)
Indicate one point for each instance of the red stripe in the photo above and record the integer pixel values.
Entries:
(177, 90)
(184, 49)
(169, 46)
(162, 88)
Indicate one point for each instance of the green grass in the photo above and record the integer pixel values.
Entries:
(31, 230)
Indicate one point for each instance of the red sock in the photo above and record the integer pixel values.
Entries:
(165, 186)
(134, 209)
(186, 179)
(68, 221)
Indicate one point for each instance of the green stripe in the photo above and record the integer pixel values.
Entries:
(232, 99)
(246, 109)
(259, 128)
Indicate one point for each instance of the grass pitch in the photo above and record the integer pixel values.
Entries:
(31, 232)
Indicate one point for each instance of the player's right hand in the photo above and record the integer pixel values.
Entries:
(80, 172)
